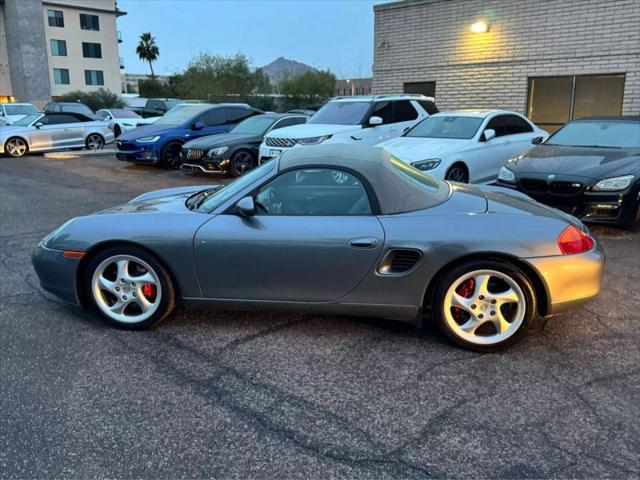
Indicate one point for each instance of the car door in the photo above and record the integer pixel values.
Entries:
(518, 135)
(490, 155)
(214, 121)
(313, 238)
(55, 132)
(405, 116)
(373, 134)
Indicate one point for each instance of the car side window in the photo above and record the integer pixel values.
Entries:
(313, 192)
(404, 111)
(103, 114)
(287, 122)
(213, 117)
(515, 125)
(52, 119)
(383, 110)
(236, 115)
(497, 123)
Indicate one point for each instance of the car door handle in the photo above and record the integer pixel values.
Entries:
(364, 242)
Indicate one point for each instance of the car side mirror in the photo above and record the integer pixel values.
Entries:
(246, 207)
(198, 126)
(375, 120)
(537, 140)
(39, 124)
(488, 134)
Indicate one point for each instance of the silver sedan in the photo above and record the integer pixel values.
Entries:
(339, 229)
(44, 132)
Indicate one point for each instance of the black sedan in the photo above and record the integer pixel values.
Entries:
(235, 152)
(589, 168)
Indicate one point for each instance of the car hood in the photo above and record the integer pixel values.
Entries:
(412, 149)
(307, 130)
(222, 139)
(166, 201)
(146, 131)
(587, 162)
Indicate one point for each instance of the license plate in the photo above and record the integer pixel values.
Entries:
(274, 153)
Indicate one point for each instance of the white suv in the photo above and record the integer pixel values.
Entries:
(359, 119)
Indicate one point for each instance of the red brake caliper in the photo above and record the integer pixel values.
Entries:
(465, 289)
(149, 291)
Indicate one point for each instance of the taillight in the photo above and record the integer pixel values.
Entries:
(572, 241)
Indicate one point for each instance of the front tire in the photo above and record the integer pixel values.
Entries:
(116, 130)
(16, 147)
(458, 172)
(484, 305)
(129, 287)
(241, 162)
(170, 156)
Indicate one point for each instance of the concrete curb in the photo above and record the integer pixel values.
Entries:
(80, 153)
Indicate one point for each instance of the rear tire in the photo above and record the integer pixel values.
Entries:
(484, 305)
(94, 142)
(170, 156)
(129, 288)
(116, 131)
(241, 162)
(458, 172)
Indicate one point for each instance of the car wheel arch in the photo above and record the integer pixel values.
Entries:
(539, 286)
(94, 132)
(18, 137)
(460, 162)
(97, 248)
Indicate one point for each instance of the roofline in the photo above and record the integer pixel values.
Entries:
(403, 4)
(385, 96)
(117, 12)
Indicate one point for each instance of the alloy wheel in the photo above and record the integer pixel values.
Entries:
(95, 142)
(484, 307)
(242, 163)
(172, 155)
(16, 147)
(126, 289)
(457, 174)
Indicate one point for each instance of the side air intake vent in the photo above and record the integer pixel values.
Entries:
(397, 262)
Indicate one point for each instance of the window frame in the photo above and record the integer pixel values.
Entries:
(55, 17)
(61, 70)
(374, 204)
(87, 25)
(98, 84)
(55, 41)
(90, 47)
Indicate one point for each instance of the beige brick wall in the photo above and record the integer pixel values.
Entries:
(431, 40)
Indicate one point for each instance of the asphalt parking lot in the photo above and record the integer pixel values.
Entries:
(234, 394)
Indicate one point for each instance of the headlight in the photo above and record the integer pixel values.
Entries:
(429, 164)
(615, 183)
(53, 233)
(148, 139)
(506, 175)
(313, 140)
(216, 152)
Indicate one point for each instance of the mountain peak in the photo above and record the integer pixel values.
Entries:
(282, 66)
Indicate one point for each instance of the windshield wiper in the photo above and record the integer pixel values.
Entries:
(197, 199)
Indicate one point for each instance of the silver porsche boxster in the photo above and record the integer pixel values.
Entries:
(337, 229)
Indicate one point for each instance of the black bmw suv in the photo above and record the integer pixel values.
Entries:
(589, 168)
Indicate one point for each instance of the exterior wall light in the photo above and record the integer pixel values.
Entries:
(480, 27)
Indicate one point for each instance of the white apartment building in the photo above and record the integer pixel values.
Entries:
(76, 40)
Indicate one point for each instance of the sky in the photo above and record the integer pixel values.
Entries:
(333, 34)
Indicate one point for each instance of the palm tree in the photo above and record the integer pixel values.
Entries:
(148, 50)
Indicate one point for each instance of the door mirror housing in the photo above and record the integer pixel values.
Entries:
(537, 140)
(198, 126)
(38, 124)
(375, 120)
(488, 134)
(246, 207)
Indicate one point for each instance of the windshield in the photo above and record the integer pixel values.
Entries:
(341, 113)
(225, 193)
(20, 109)
(257, 125)
(27, 120)
(122, 113)
(446, 127)
(180, 114)
(597, 133)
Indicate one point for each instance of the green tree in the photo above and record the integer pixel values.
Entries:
(95, 99)
(210, 75)
(309, 88)
(147, 50)
(152, 88)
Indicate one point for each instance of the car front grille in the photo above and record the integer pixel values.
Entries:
(280, 142)
(533, 185)
(126, 146)
(565, 188)
(537, 186)
(193, 153)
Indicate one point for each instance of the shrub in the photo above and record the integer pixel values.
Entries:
(95, 99)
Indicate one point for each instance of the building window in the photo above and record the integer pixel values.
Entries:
(553, 101)
(56, 18)
(423, 88)
(61, 76)
(93, 77)
(89, 22)
(91, 50)
(59, 48)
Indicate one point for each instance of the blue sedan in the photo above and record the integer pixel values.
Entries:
(160, 143)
